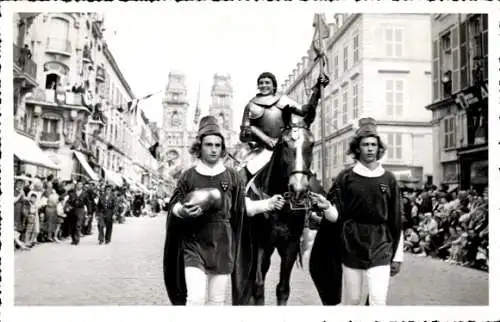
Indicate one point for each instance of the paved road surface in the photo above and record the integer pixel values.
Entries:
(129, 272)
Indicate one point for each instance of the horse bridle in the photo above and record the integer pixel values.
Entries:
(305, 204)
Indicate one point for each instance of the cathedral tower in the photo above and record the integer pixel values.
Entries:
(221, 106)
(175, 107)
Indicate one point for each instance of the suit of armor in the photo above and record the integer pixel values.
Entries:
(264, 118)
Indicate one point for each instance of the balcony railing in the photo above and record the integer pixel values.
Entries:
(68, 98)
(50, 139)
(59, 46)
(50, 136)
(27, 65)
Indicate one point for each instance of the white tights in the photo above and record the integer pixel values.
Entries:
(357, 284)
(197, 282)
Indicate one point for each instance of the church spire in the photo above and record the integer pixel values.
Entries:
(197, 111)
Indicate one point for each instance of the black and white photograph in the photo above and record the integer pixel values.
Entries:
(166, 156)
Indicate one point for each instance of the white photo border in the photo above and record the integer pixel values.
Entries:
(303, 313)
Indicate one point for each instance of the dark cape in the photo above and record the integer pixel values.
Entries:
(173, 258)
(325, 263)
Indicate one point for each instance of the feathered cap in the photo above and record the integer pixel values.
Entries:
(209, 126)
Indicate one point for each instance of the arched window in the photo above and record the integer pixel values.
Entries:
(51, 81)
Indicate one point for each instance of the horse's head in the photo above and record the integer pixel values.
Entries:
(297, 147)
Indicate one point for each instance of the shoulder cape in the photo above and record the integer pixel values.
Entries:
(173, 259)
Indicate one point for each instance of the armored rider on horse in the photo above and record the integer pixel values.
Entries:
(268, 119)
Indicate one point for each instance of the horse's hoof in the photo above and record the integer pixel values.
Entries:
(282, 302)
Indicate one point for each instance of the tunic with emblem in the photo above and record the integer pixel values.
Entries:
(218, 241)
(370, 219)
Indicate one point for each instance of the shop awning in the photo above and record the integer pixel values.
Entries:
(28, 151)
(83, 161)
(143, 187)
(113, 177)
(452, 187)
(129, 181)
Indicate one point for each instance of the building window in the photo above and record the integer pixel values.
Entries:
(336, 67)
(334, 155)
(394, 146)
(478, 35)
(355, 49)
(344, 152)
(393, 40)
(50, 125)
(318, 161)
(435, 71)
(59, 29)
(449, 133)
(328, 160)
(345, 100)
(340, 154)
(355, 103)
(394, 97)
(346, 57)
(335, 112)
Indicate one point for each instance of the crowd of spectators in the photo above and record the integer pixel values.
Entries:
(451, 226)
(41, 214)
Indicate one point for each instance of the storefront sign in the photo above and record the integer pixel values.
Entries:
(468, 97)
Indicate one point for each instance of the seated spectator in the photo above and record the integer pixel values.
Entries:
(412, 241)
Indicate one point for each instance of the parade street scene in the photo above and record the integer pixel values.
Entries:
(327, 158)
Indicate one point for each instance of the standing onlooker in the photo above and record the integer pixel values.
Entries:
(90, 190)
(19, 200)
(77, 208)
(51, 211)
(60, 216)
(30, 232)
(106, 208)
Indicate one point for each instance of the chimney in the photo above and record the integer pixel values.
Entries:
(333, 28)
(299, 68)
(305, 62)
(339, 19)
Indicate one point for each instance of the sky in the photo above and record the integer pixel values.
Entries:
(149, 43)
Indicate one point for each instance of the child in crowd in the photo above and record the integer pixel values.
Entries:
(30, 232)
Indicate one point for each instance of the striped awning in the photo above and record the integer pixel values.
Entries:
(113, 177)
(88, 169)
(26, 150)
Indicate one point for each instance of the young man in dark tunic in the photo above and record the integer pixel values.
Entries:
(77, 208)
(106, 209)
(207, 243)
(361, 236)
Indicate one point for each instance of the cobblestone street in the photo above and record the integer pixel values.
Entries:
(129, 272)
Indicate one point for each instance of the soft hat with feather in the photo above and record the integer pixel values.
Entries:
(209, 126)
